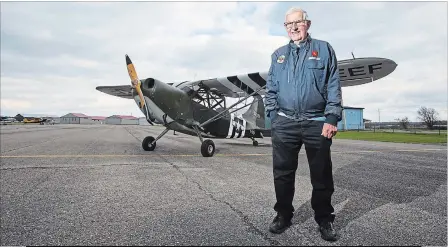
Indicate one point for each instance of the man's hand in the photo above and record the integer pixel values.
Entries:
(329, 130)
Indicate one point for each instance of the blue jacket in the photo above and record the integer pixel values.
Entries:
(309, 90)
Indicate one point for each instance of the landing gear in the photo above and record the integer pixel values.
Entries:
(254, 142)
(149, 143)
(207, 146)
(146, 144)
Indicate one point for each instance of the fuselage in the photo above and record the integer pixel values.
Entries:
(174, 108)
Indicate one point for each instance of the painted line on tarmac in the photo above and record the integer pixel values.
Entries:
(196, 155)
(422, 150)
(121, 155)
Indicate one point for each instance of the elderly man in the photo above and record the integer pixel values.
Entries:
(303, 101)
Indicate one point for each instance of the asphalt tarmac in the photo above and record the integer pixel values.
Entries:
(94, 185)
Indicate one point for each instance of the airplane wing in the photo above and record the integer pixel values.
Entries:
(231, 86)
(359, 71)
(351, 72)
(123, 91)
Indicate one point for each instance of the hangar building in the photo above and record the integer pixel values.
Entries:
(352, 119)
(75, 118)
(122, 120)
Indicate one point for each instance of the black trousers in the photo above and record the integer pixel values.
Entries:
(287, 139)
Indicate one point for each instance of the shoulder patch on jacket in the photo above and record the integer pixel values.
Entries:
(281, 59)
(280, 54)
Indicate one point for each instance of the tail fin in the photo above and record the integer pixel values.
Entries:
(254, 116)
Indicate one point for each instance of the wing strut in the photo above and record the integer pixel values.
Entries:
(255, 100)
(239, 101)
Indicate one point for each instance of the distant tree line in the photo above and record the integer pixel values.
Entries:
(429, 116)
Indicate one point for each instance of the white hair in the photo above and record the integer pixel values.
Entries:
(294, 10)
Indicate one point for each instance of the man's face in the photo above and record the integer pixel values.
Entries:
(296, 26)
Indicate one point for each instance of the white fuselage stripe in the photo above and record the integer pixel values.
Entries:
(229, 85)
(249, 82)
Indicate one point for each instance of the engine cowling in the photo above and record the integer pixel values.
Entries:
(171, 100)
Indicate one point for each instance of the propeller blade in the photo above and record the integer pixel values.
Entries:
(135, 82)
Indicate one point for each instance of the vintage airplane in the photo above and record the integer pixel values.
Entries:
(199, 107)
(32, 120)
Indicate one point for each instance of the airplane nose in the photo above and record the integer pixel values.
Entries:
(151, 86)
(150, 82)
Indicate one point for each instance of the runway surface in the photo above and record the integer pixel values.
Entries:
(94, 185)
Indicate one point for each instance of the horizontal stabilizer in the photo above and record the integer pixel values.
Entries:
(122, 91)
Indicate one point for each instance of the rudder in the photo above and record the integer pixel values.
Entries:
(255, 116)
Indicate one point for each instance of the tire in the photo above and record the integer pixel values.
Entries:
(207, 148)
(146, 143)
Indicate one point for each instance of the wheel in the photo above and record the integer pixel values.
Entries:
(207, 148)
(255, 143)
(146, 143)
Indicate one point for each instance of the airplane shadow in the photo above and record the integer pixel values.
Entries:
(353, 209)
(248, 144)
(365, 185)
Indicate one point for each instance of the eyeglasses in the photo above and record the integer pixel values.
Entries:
(296, 23)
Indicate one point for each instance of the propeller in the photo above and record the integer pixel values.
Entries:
(135, 82)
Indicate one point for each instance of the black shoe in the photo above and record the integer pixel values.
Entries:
(280, 224)
(327, 232)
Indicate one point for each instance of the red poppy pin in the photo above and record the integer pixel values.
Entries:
(314, 53)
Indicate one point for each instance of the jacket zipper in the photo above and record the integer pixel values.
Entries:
(297, 85)
(302, 67)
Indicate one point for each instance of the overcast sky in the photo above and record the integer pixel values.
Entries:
(54, 54)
